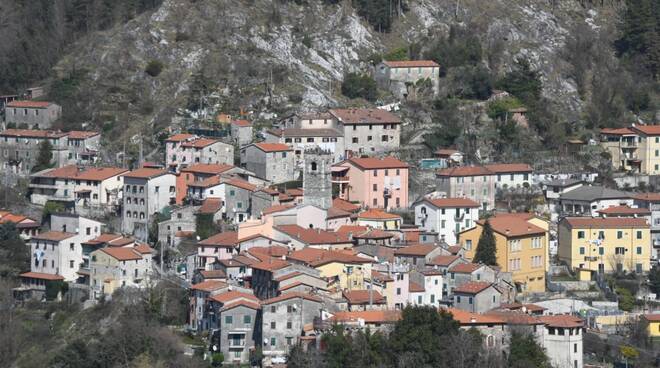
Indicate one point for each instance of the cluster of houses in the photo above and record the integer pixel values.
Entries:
(314, 231)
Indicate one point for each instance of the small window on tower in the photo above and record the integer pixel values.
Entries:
(313, 166)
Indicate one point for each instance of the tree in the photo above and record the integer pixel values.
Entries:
(51, 207)
(523, 83)
(14, 254)
(359, 85)
(525, 352)
(486, 248)
(45, 156)
(640, 34)
(154, 68)
(338, 347)
(626, 299)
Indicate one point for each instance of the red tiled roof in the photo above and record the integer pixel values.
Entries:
(412, 64)
(655, 317)
(144, 248)
(41, 276)
(508, 168)
(276, 208)
(210, 205)
(30, 104)
(454, 249)
(414, 287)
(365, 116)
(122, 254)
(313, 236)
(443, 260)
(515, 317)
(209, 285)
(241, 303)
(617, 131)
(453, 202)
(512, 225)
(103, 238)
(179, 137)
(240, 183)
(624, 210)
(362, 296)
(295, 284)
(213, 274)
(211, 181)
(377, 214)
(472, 287)
(373, 163)
(241, 123)
(99, 173)
(649, 197)
(200, 142)
(207, 168)
(32, 133)
(270, 265)
(227, 239)
(465, 267)
(647, 129)
(354, 229)
(415, 250)
(265, 253)
(233, 295)
(272, 147)
(345, 205)
(468, 318)
(53, 236)
(145, 173)
(379, 276)
(446, 151)
(464, 171)
(371, 316)
(374, 234)
(562, 321)
(318, 257)
(607, 222)
(292, 295)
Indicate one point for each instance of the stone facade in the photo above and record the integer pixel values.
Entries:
(32, 114)
(317, 186)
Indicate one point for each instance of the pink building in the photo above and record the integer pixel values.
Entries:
(374, 182)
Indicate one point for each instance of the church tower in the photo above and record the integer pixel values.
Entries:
(317, 185)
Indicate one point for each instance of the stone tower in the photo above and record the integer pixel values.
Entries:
(317, 185)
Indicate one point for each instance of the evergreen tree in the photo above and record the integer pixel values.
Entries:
(486, 248)
(14, 255)
(654, 280)
(640, 34)
(45, 157)
(526, 352)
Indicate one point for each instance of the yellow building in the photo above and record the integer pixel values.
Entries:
(605, 244)
(653, 321)
(341, 269)
(379, 219)
(522, 247)
(636, 148)
(649, 148)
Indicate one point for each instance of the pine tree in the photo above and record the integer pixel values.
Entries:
(526, 352)
(45, 157)
(486, 248)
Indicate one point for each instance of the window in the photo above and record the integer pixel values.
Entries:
(468, 244)
(247, 319)
(229, 320)
(601, 235)
(470, 300)
(273, 309)
(70, 264)
(273, 341)
(355, 140)
(289, 325)
(384, 138)
(619, 250)
(375, 187)
(369, 138)
(289, 309)
(639, 250)
(273, 325)
(419, 299)
(458, 299)
(581, 250)
(619, 234)
(432, 298)
(536, 243)
(601, 251)
(398, 291)
(289, 341)
(580, 234)
(639, 234)
(375, 202)
(71, 246)
(575, 348)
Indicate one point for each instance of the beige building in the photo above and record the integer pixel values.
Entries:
(635, 149)
(368, 130)
(605, 244)
(474, 182)
(114, 267)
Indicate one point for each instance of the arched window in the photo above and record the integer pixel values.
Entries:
(135, 214)
(128, 214)
(313, 166)
(141, 215)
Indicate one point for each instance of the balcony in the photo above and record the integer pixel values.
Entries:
(629, 144)
(340, 179)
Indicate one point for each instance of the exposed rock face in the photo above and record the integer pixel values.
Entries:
(301, 51)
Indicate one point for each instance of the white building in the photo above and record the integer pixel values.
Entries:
(588, 200)
(431, 283)
(146, 192)
(328, 139)
(446, 216)
(60, 251)
(187, 149)
(562, 340)
(509, 176)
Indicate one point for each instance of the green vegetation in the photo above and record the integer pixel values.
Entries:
(52, 207)
(14, 254)
(154, 68)
(55, 288)
(205, 226)
(486, 248)
(357, 85)
(640, 34)
(526, 352)
(654, 280)
(499, 108)
(45, 157)
(398, 54)
(379, 13)
(626, 299)
(460, 48)
(423, 337)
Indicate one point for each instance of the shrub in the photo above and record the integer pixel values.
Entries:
(497, 109)
(398, 54)
(359, 85)
(154, 68)
(307, 41)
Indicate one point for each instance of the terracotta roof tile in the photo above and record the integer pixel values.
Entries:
(362, 297)
(233, 295)
(317, 257)
(30, 104)
(53, 236)
(415, 250)
(145, 173)
(468, 318)
(32, 133)
(241, 303)
(210, 205)
(414, 287)
(345, 205)
(377, 214)
(209, 285)
(472, 287)
(41, 276)
(460, 171)
(443, 261)
(313, 236)
(453, 202)
(606, 223)
(647, 129)
(354, 229)
(466, 267)
(512, 225)
(240, 183)
(227, 239)
(200, 142)
(454, 249)
(655, 317)
(508, 168)
(617, 131)
(79, 134)
(276, 208)
(373, 163)
(213, 274)
(562, 321)
(374, 234)
(241, 123)
(144, 248)
(365, 116)
(122, 254)
(412, 64)
(270, 265)
(292, 295)
(649, 197)
(371, 316)
(207, 168)
(624, 210)
(273, 147)
(179, 137)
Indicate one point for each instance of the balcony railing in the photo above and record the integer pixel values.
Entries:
(340, 179)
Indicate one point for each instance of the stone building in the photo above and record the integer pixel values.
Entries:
(241, 132)
(183, 150)
(270, 161)
(368, 130)
(32, 114)
(402, 77)
(317, 185)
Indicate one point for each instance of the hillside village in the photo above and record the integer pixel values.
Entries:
(281, 233)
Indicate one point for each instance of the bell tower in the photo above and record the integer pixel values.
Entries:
(317, 185)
